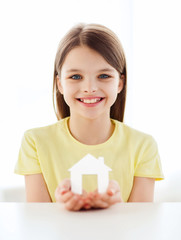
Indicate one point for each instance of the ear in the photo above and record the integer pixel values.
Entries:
(59, 85)
(121, 83)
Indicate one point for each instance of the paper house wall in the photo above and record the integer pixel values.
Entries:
(89, 165)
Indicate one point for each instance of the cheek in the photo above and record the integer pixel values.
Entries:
(67, 99)
(113, 90)
(112, 93)
(68, 94)
(114, 96)
(63, 88)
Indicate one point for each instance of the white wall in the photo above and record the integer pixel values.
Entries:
(30, 32)
(157, 76)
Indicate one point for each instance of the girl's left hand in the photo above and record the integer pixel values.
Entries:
(105, 200)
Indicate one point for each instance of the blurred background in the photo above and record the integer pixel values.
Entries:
(150, 34)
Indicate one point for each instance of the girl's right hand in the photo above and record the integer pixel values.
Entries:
(73, 202)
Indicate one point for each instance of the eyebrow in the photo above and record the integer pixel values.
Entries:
(101, 70)
(106, 70)
(73, 70)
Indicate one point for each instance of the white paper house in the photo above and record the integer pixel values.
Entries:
(86, 166)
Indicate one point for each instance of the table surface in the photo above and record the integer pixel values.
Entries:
(45, 221)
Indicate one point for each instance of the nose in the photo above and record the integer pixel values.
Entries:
(89, 85)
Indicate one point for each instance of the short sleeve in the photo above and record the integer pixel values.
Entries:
(148, 163)
(28, 159)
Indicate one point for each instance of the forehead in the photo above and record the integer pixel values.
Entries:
(83, 57)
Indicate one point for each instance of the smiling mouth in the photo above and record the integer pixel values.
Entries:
(92, 100)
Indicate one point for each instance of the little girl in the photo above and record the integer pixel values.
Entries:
(90, 91)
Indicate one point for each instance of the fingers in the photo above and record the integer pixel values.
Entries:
(98, 200)
(100, 203)
(62, 192)
(107, 199)
(113, 188)
(75, 203)
(113, 192)
(116, 198)
(72, 202)
(65, 186)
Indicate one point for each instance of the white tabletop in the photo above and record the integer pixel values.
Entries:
(50, 221)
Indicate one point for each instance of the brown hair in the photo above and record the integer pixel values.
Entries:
(106, 43)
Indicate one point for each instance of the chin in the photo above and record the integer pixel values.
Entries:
(94, 116)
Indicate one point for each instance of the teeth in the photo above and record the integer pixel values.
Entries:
(94, 100)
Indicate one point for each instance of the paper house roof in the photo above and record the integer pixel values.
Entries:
(90, 165)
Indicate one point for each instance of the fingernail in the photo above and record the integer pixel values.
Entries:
(111, 192)
(63, 190)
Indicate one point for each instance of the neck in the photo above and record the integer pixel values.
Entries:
(91, 131)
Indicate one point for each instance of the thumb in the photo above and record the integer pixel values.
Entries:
(65, 186)
(112, 188)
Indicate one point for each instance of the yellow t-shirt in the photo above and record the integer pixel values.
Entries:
(52, 150)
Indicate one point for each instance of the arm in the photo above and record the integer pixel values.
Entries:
(36, 189)
(143, 190)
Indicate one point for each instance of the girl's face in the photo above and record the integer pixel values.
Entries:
(88, 83)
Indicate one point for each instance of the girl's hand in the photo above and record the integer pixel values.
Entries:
(73, 202)
(112, 196)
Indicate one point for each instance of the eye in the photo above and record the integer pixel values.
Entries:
(76, 77)
(104, 76)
